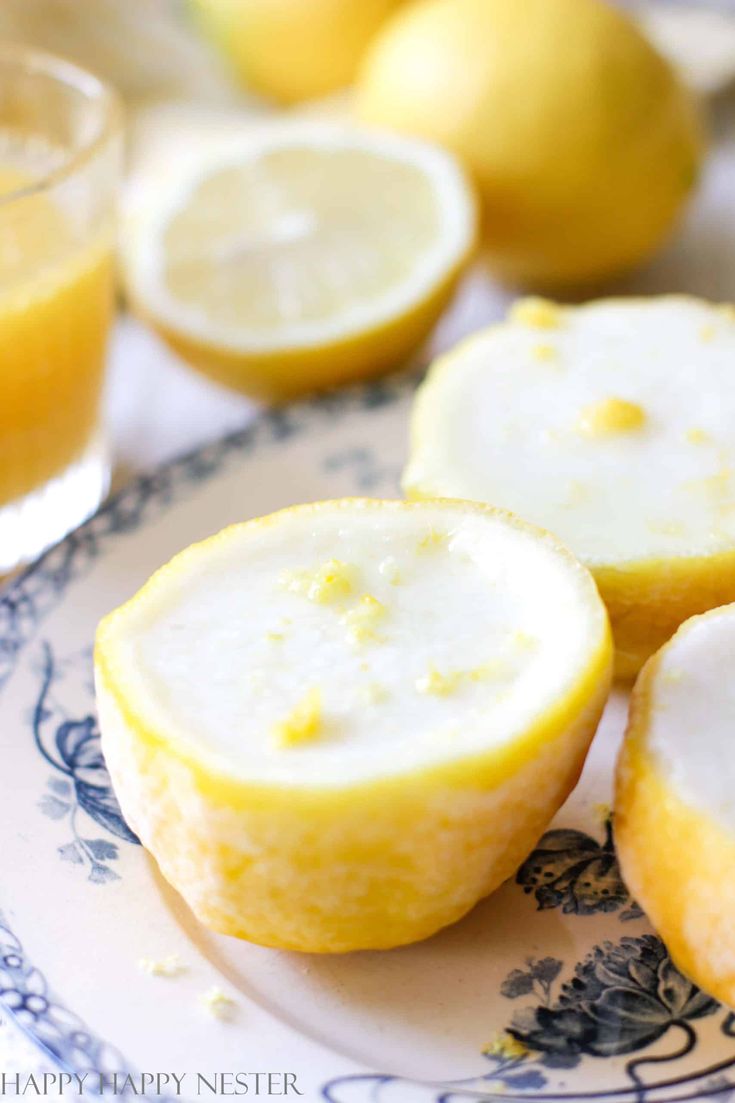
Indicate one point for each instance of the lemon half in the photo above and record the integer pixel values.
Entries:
(339, 726)
(674, 810)
(298, 255)
(610, 425)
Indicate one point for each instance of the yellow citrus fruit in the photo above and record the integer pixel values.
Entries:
(582, 139)
(319, 754)
(610, 425)
(674, 818)
(297, 255)
(294, 49)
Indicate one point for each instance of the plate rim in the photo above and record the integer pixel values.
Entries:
(30, 596)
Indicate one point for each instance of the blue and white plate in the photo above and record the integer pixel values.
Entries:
(554, 988)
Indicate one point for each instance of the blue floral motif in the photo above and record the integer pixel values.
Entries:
(623, 997)
(81, 783)
(25, 994)
(572, 871)
(537, 978)
(512, 1075)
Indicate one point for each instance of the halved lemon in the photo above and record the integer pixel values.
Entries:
(610, 425)
(674, 808)
(339, 726)
(297, 255)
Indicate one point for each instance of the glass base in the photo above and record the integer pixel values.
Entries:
(31, 524)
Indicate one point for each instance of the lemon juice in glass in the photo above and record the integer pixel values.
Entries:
(60, 147)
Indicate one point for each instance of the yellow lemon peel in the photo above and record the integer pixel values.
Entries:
(611, 416)
(303, 724)
(218, 1003)
(331, 581)
(363, 617)
(169, 966)
(505, 1045)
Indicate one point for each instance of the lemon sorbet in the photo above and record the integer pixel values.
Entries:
(299, 255)
(339, 726)
(610, 425)
(674, 810)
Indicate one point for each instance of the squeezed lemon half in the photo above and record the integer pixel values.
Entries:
(309, 787)
(617, 438)
(297, 255)
(674, 809)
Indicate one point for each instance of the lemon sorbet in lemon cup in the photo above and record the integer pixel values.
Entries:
(60, 152)
(582, 140)
(339, 726)
(610, 425)
(674, 808)
(300, 255)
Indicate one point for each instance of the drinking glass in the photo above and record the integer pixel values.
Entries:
(60, 159)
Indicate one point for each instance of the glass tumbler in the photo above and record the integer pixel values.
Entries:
(60, 161)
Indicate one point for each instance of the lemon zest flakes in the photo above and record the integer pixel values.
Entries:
(169, 966)
(431, 540)
(219, 1004)
(275, 637)
(697, 436)
(330, 582)
(535, 312)
(303, 724)
(442, 684)
(707, 333)
(609, 417)
(363, 617)
(390, 570)
(505, 1045)
(544, 354)
(438, 684)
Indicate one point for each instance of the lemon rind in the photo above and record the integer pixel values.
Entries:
(147, 216)
(677, 861)
(363, 864)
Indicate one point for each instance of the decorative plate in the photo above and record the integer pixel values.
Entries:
(554, 988)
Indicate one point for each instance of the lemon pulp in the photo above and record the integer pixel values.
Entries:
(300, 255)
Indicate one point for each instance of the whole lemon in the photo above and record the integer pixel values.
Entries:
(582, 139)
(295, 49)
